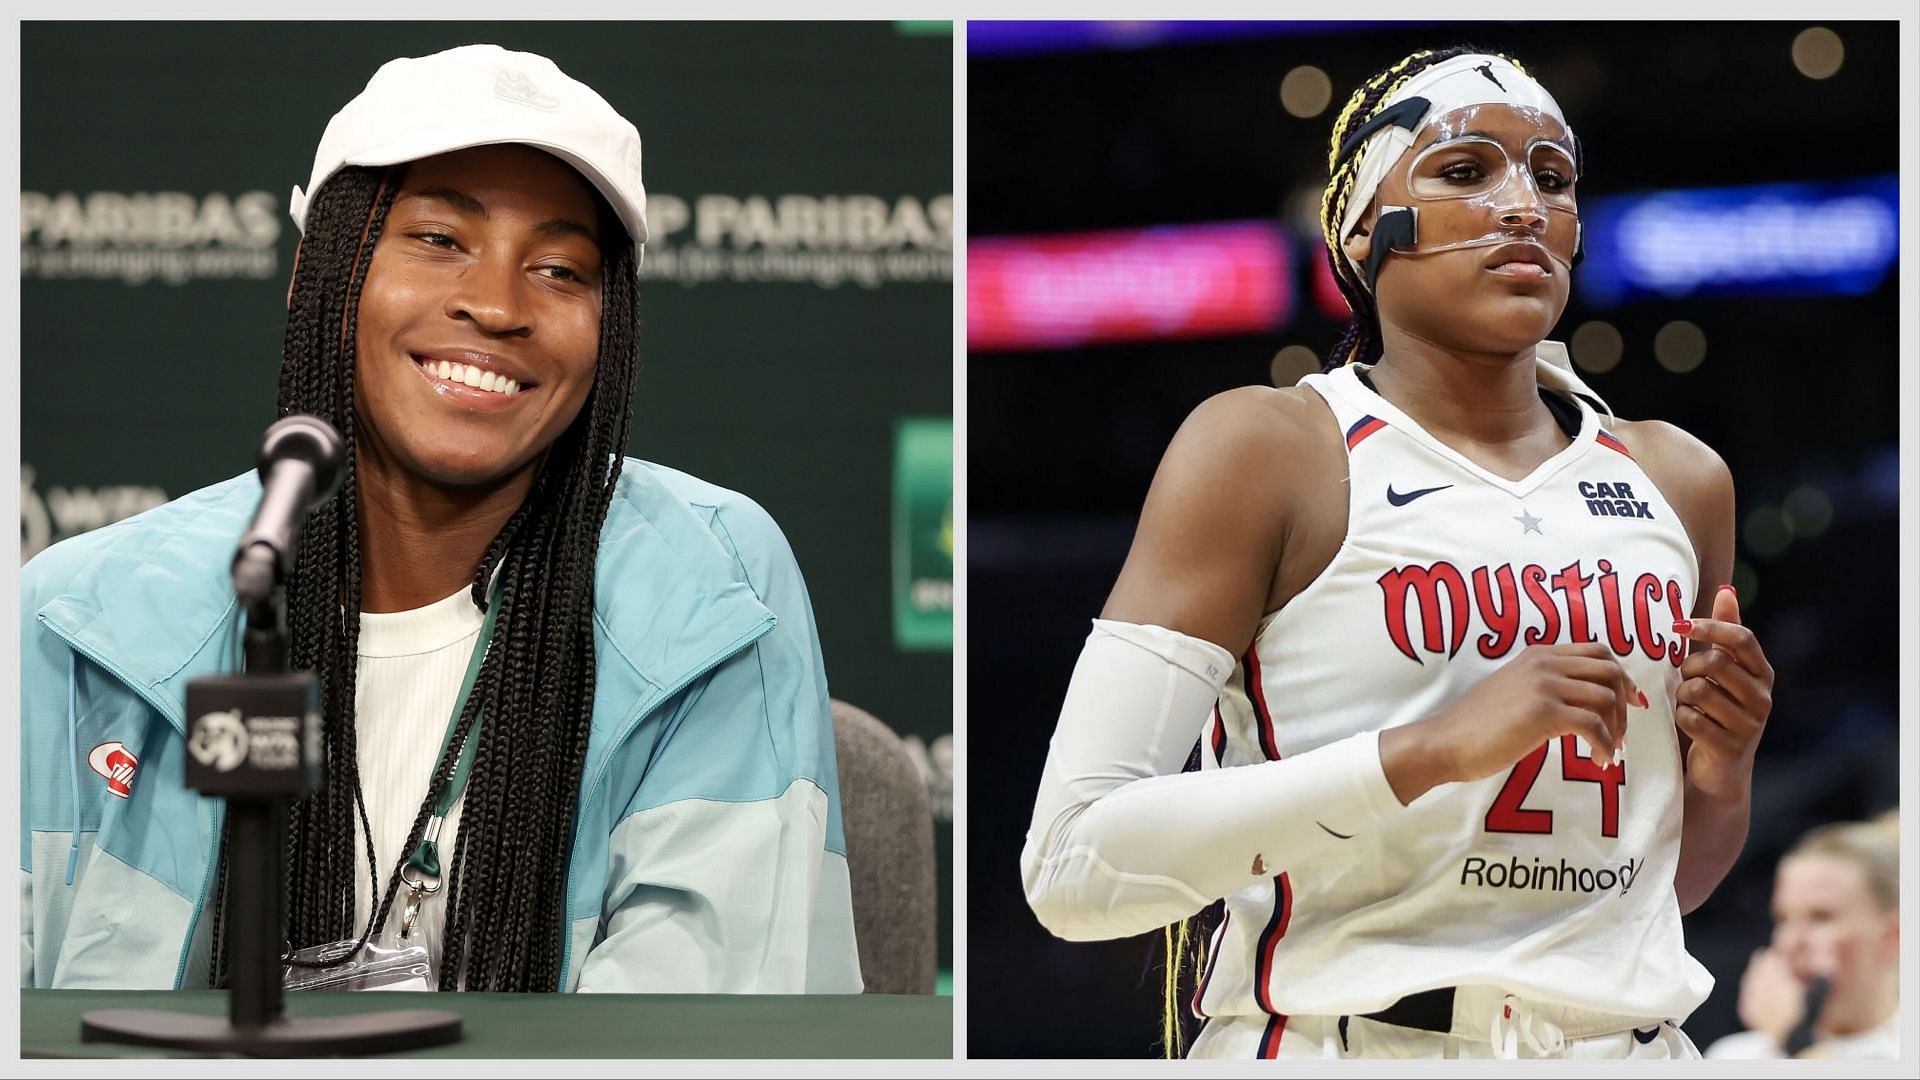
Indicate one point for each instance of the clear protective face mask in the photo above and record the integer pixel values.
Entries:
(1474, 185)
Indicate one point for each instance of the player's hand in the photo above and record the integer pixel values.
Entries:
(1771, 999)
(1545, 691)
(1726, 692)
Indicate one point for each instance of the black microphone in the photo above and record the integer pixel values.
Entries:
(1801, 1036)
(300, 460)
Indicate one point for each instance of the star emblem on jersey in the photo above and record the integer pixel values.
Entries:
(1528, 523)
(1402, 498)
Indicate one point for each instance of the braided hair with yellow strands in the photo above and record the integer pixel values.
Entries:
(1186, 942)
(1361, 343)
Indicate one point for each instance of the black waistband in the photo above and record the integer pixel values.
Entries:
(1428, 1010)
(1432, 1010)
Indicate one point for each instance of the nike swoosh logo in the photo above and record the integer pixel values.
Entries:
(1398, 499)
(1335, 835)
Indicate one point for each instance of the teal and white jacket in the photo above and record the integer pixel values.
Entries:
(708, 856)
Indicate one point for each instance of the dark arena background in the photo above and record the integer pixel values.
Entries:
(1143, 232)
(796, 303)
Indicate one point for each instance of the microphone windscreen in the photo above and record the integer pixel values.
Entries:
(309, 439)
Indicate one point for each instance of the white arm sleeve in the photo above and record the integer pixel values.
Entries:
(1123, 842)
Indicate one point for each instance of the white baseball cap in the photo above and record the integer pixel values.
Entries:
(481, 95)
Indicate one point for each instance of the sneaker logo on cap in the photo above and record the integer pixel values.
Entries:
(516, 87)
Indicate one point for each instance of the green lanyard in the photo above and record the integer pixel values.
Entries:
(425, 860)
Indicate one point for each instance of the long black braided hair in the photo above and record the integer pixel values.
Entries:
(506, 881)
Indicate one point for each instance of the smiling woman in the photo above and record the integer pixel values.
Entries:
(437, 232)
(488, 270)
(592, 682)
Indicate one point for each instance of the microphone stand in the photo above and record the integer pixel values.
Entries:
(255, 740)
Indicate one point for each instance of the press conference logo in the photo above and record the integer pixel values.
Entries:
(935, 764)
(135, 237)
(220, 741)
(821, 240)
(62, 511)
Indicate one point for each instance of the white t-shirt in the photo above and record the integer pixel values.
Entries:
(1879, 1042)
(410, 670)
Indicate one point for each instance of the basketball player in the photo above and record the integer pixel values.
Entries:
(1473, 709)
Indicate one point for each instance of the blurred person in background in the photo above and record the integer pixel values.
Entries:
(1835, 952)
(1423, 823)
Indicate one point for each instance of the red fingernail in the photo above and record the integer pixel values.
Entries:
(1731, 589)
(1642, 695)
(1683, 627)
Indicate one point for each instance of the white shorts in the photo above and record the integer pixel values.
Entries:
(1487, 1023)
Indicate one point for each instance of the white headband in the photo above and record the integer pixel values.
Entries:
(1473, 79)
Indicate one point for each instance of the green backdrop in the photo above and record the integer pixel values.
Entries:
(796, 304)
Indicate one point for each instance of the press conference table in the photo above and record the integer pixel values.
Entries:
(562, 1025)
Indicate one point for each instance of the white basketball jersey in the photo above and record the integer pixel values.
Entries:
(1553, 879)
